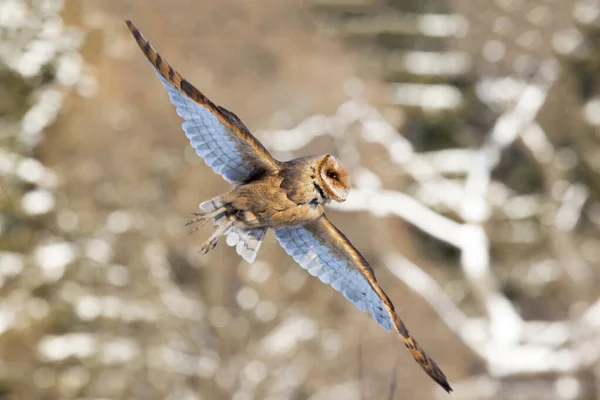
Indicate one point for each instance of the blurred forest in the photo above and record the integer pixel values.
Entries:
(471, 130)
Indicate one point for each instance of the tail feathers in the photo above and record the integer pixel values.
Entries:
(247, 242)
(212, 204)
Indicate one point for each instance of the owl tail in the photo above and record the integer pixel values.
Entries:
(212, 205)
(219, 213)
(246, 241)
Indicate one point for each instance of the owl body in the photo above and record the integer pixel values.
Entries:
(265, 204)
(288, 197)
(295, 195)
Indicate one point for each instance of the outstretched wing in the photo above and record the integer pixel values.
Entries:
(325, 252)
(217, 134)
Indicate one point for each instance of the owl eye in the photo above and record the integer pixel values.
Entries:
(332, 175)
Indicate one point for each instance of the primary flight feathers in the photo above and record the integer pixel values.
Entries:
(289, 197)
(217, 134)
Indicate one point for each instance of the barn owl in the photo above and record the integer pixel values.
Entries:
(288, 197)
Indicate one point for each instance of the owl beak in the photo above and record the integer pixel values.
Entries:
(342, 195)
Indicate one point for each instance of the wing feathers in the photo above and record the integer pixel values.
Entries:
(426, 362)
(233, 152)
(325, 252)
(175, 79)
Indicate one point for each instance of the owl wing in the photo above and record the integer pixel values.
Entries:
(324, 251)
(218, 135)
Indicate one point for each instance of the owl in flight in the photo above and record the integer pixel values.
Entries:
(289, 197)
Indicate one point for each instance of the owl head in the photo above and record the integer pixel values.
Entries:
(333, 178)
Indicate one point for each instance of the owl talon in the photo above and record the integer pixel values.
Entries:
(209, 245)
(200, 221)
(222, 227)
(204, 218)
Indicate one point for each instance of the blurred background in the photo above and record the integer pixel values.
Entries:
(471, 130)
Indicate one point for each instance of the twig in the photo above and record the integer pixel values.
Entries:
(360, 371)
(393, 380)
(388, 202)
(564, 246)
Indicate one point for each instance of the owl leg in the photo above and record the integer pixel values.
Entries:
(204, 217)
(222, 227)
